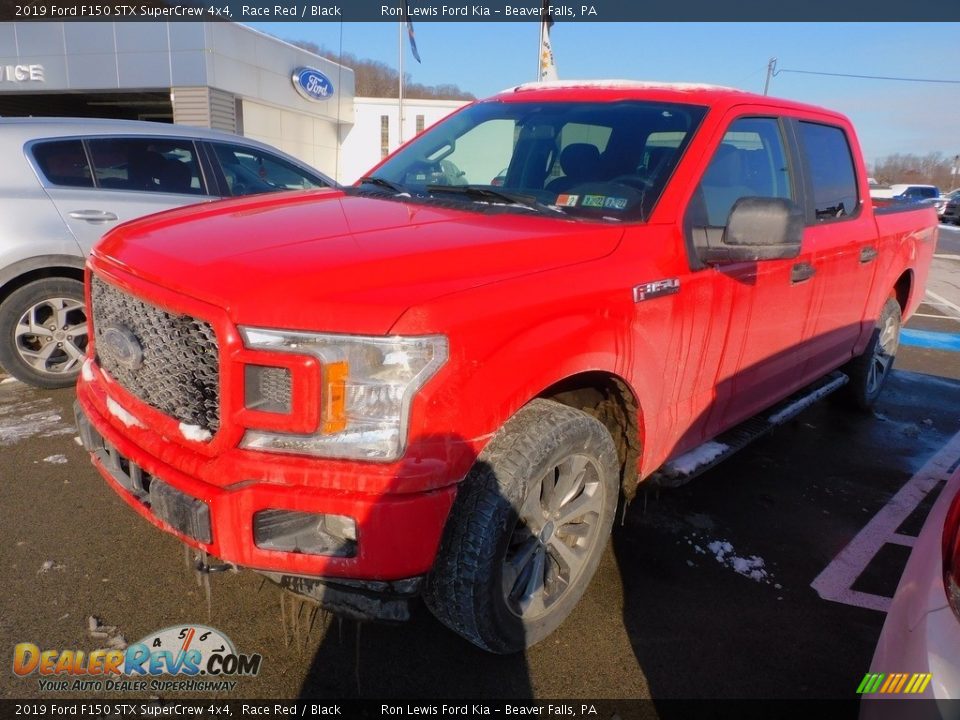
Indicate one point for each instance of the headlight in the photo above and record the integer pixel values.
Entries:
(366, 387)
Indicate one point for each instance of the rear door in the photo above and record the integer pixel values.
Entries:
(842, 237)
(100, 182)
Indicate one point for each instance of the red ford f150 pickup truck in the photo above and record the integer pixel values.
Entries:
(442, 381)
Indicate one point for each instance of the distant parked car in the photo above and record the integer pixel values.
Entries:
(921, 634)
(943, 203)
(67, 181)
(904, 191)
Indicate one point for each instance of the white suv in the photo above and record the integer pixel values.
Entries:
(67, 181)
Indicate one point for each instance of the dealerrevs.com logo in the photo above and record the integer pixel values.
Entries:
(200, 658)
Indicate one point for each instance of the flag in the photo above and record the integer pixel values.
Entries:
(413, 41)
(547, 67)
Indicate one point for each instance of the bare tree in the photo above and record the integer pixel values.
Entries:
(377, 79)
(931, 169)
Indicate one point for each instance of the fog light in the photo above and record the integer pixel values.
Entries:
(307, 533)
(268, 389)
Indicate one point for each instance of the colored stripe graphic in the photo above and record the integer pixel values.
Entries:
(913, 683)
(930, 340)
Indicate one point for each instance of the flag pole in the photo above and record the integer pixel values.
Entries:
(400, 95)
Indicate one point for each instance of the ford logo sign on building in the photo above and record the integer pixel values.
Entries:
(312, 84)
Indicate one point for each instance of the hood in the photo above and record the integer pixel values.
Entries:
(328, 261)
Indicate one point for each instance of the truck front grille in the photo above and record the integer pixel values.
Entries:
(169, 361)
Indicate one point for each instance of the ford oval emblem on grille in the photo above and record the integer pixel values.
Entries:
(120, 342)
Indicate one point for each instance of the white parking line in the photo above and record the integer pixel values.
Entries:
(943, 302)
(836, 581)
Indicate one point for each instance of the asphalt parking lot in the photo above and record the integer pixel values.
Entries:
(704, 592)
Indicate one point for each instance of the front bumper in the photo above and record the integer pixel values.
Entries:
(397, 532)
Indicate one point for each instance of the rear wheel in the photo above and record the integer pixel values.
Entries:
(870, 371)
(43, 332)
(527, 530)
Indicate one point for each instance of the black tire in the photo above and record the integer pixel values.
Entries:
(493, 556)
(43, 332)
(868, 372)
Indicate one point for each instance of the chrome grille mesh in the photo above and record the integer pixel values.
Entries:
(178, 370)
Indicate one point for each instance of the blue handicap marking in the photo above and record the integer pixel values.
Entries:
(930, 340)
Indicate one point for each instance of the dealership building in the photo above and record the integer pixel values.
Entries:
(212, 74)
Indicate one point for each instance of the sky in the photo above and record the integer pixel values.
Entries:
(890, 117)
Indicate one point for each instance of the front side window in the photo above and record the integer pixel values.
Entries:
(249, 171)
(831, 171)
(164, 165)
(606, 161)
(751, 161)
(63, 162)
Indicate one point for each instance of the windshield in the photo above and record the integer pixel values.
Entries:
(596, 160)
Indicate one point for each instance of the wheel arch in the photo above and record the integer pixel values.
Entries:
(609, 398)
(26, 271)
(903, 288)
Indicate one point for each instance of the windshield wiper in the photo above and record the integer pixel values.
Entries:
(481, 192)
(382, 182)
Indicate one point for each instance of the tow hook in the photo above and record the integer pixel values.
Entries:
(201, 565)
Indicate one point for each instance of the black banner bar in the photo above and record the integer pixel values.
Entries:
(482, 11)
(577, 709)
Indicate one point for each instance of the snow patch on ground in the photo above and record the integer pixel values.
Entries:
(7, 380)
(751, 567)
(122, 415)
(706, 453)
(194, 433)
(22, 419)
(57, 459)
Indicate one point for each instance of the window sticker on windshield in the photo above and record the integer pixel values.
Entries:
(615, 203)
(593, 201)
(567, 200)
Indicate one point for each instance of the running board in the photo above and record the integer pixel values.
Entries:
(685, 468)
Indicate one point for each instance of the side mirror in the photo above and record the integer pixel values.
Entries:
(758, 228)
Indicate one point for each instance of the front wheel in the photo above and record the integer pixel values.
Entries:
(527, 530)
(869, 371)
(43, 332)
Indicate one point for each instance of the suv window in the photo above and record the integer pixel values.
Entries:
(164, 165)
(921, 193)
(831, 170)
(249, 171)
(750, 162)
(63, 162)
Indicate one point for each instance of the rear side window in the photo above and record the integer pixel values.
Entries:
(166, 165)
(831, 171)
(249, 171)
(63, 162)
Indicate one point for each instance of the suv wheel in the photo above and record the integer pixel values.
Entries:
(43, 332)
(527, 530)
(870, 371)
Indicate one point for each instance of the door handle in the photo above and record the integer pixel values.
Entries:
(93, 216)
(802, 271)
(868, 253)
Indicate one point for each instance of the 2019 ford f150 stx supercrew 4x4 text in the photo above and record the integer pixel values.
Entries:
(435, 385)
